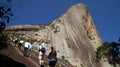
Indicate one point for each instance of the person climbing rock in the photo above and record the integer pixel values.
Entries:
(26, 46)
(42, 51)
(52, 55)
(20, 44)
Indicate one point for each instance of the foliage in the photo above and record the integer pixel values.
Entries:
(4, 40)
(57, 29)
(110, 51)
(5, 14)
(63, 57)
(82, 65)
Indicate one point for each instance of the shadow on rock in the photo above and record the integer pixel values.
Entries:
(8, 62)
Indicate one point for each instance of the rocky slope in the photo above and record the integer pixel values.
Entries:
(73, 34)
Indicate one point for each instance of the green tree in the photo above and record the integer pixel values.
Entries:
(110, 51)
(119, 39)
(5, 14)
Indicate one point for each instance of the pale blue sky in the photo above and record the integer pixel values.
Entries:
(105, 14)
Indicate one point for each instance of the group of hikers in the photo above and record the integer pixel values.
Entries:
(52, 54)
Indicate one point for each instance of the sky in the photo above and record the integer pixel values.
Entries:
(105, 14)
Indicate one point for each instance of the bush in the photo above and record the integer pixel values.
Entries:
(110, 51)
(4, 40)
(5, 14)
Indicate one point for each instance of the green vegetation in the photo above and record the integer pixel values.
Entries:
(32, 40)
(4, 40)
(5, 14)
(82, 65)
(109, 51)
(63, 57)
(57, 29)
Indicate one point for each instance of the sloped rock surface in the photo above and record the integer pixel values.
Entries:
(73, 34)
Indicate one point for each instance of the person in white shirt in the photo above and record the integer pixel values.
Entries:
(26, 47)
(42, 50)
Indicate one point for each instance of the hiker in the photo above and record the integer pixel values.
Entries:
(20, 44)
(42, 50)
(52, 55)
(26, 46)
(15, 41)
(13, 38)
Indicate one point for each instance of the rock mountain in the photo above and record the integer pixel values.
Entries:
(73, 34)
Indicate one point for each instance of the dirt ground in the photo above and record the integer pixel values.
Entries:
(10, 57)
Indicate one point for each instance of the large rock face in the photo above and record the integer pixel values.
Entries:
(73, 34)
(77, 35)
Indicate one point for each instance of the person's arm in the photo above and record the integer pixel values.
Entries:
(39, 48)
(56, 53)
(48, 55)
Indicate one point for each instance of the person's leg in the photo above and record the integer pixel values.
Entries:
(24, 51)
(15, 43)
(27, 52)
(50, 63)
(41, 63)
(40, 58)
(30, 52)
(53, 65)
(20, 45)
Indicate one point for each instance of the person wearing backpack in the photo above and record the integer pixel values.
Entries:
(42, 50)
(16, 40)
(52, 55)
(26, 47)
(20, 44)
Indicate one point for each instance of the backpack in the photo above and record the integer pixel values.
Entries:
(52, 56)
(43, 50)
(31, 46)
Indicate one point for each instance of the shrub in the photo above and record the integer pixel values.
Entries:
(110, 51)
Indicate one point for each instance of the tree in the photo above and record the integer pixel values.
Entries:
(110, 51)
(119, 39)
(5, 15)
